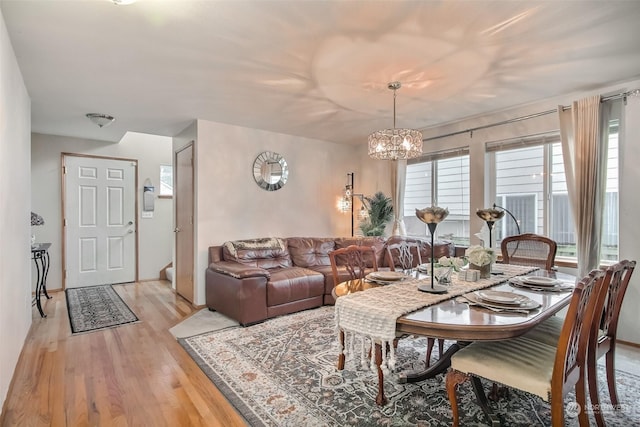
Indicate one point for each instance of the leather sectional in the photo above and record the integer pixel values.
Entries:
(253, 280)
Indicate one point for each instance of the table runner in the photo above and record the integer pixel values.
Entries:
(373, 313)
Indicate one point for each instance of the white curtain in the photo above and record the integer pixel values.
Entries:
(584, 150)
(398, 181)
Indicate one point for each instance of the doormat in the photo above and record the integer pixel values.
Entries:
(93, 308)
(282, 373)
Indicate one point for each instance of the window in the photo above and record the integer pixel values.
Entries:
(166, 181)
(439, 179)
(530, 182)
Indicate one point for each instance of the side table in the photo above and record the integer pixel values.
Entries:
(40, 256)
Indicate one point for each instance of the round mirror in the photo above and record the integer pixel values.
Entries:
(270, 171)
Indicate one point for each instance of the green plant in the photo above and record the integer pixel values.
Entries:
(380, 209)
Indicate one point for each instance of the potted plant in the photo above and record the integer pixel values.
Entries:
(380, 210)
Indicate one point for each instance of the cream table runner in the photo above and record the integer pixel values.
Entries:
(372, 314)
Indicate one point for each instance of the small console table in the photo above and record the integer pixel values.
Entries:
(40, 256)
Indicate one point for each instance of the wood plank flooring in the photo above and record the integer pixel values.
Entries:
(132, 375)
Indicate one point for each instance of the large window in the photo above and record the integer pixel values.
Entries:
(440, 179)
(530, 182)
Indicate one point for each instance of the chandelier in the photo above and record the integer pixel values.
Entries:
(395, 144)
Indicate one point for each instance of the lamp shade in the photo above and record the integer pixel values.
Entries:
(395, 144)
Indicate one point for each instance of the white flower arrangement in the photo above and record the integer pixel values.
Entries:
(453, 262)
(480, 256)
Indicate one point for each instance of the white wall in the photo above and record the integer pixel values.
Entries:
(230, 205)
(15, 221)
(155, 235)
(629, 175)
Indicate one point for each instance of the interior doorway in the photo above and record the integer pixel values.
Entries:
(184, 187)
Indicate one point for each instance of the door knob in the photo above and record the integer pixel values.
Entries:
(129, 231)
(130, 223)
(176, 230)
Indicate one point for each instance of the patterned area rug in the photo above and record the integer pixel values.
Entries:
(93, 308)
(282, 373)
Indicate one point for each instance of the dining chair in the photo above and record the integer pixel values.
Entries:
(352, 263)
(529, 249)
(532, 366)
(403, 255)
(602, 339)
(406, 256)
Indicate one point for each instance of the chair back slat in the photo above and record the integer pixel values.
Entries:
(403, 255)
(620, 274)
(356, 261)
(572, 344)
(529, 249)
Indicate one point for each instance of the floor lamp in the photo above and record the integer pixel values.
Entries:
(432, 217)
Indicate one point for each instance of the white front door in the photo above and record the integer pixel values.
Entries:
(100, 221)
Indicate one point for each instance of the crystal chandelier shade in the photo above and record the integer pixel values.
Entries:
(395, 144)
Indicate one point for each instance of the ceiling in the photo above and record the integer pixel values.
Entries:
(316, 69)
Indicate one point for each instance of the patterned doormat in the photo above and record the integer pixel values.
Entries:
(93, 308)
(282, 373)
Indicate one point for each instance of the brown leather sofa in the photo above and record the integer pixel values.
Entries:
(253, 280)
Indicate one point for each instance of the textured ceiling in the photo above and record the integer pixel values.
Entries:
(317, 69)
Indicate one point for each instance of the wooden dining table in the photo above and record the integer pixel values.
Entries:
(456, 320)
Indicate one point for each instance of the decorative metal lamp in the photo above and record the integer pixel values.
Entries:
(432, 217)
(395, 144)
(490, 216)
(345, 203)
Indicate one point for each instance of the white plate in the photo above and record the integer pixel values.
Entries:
(499, 297)
(527, 304)
(386, 275)
(540, 281)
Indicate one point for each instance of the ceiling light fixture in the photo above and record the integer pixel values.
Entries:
(101, 120)
(395, 144)
(123, 2)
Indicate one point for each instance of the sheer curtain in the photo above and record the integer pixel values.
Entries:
(584, 151)
(398, 183)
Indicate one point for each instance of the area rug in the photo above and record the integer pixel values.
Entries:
(201, 322)
(282, 373)
(93, 308)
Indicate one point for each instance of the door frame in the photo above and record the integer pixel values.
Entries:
(63, 198)
(176, 197)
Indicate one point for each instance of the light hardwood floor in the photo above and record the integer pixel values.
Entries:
(132, 375)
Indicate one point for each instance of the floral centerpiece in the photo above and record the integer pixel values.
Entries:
(480, 259)
(444, 267)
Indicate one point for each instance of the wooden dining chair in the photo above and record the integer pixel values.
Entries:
(406, 256)
(535, 367)
(529, 249)
(403, 255)
(352, 263)
(602, 339)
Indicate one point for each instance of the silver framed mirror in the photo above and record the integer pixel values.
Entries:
(270, 171)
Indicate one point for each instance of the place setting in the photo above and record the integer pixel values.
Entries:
(386, 277)
(540, 284)
(500, 301)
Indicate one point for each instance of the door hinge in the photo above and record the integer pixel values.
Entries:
(64, 170)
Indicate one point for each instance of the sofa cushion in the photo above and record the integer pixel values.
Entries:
(269, 252)
(310, 251)
(378, 244)
(293, 284)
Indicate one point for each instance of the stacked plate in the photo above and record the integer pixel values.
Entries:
(540, 283)
(385, 277)
(502, 301)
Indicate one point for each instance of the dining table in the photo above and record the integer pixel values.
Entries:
(461, 318)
